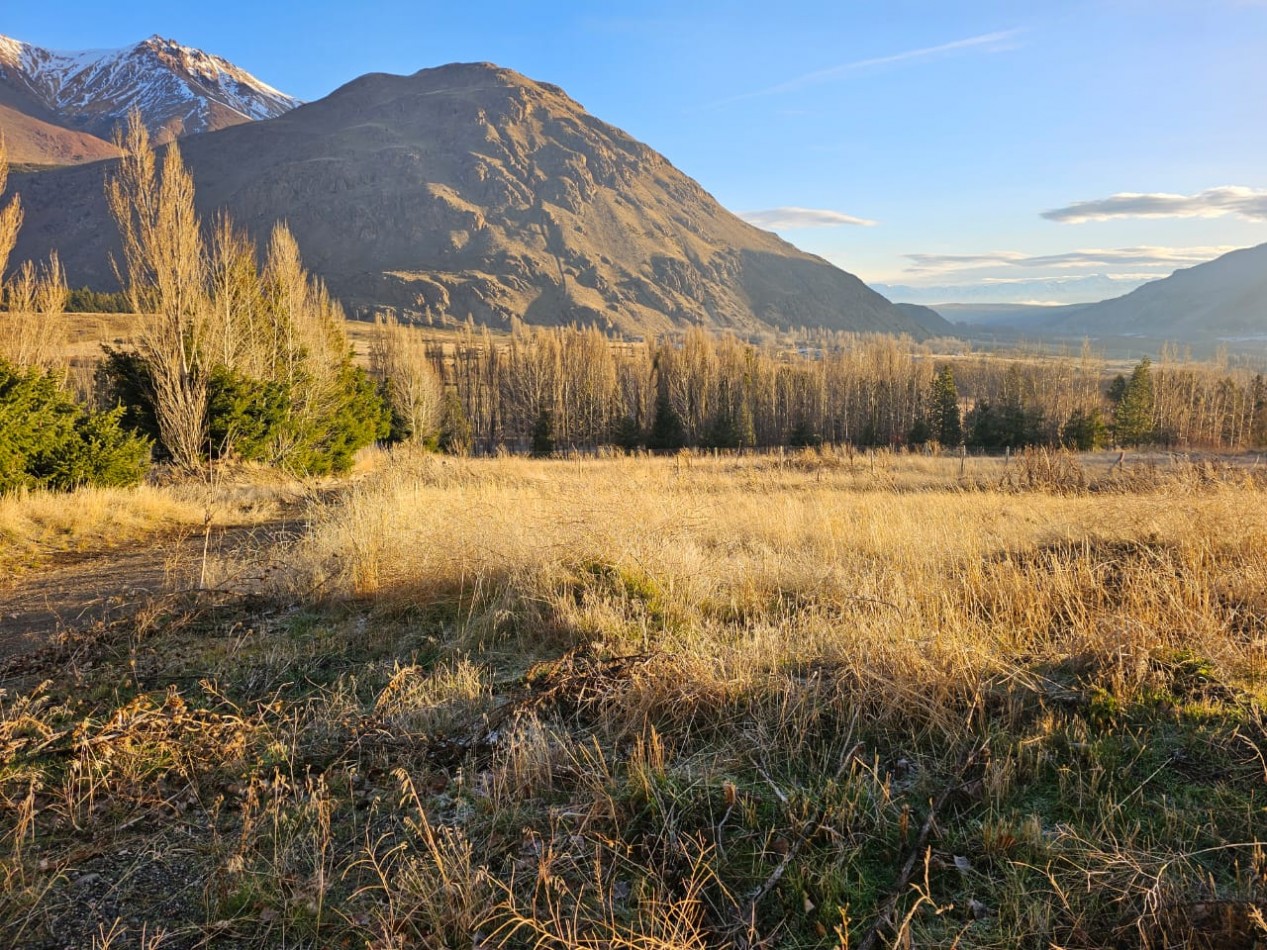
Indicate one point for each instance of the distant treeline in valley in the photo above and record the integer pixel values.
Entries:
(546, 389)
(240, 355)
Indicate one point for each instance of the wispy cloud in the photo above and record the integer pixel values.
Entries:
(790, 218)
(1250, 203)
(986, 43)
(1158, 257)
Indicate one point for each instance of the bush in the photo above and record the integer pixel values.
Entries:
(48, 441)
(357, 416)
(123, 379)
(245, 416)
(1085, 431)
(263, 420)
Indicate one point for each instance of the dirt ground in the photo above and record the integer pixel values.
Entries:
(80, 591)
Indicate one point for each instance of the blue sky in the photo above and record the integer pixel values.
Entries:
(965, 150)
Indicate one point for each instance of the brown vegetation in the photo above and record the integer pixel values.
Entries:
(879, 700)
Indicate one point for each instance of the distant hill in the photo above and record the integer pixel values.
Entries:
(1223, 299)
(62, 107)
(1015, 315)
(32, 141)
(471, 191)
(933, 322)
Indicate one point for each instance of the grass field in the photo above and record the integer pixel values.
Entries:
(814, 700)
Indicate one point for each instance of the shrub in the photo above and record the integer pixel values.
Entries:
(327, 442)
(1085, 431)
(48, 441)
(245, 416)
(264, 420)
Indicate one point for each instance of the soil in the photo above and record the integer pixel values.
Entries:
(76, 592)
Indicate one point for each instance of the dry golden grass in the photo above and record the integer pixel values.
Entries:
(755, 563)
(683, 703)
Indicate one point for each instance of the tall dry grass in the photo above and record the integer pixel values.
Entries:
(38, 525)
(913, 578)
(814, 616)
(685, 703)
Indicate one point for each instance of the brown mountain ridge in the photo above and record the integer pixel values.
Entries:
(471, 191)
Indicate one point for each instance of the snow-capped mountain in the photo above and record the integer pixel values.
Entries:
(179, 90)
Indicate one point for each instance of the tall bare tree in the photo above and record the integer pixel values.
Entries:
(164, 270)
(400, 357)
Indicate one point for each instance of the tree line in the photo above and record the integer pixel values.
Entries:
(569, 388)
(242, 354)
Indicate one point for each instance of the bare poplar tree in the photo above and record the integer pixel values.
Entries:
(400, 357)
(164, 272)
(32, 330)
(236, 335)
(10, 214)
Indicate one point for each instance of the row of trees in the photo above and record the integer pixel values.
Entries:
(549, 388)
(239, 357)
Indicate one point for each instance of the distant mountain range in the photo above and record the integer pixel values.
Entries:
(61, 108)
(472, 191)
(1223, 300)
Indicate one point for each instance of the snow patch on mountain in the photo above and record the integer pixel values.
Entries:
(179, 90)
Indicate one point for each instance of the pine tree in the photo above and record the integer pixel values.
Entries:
(1084, 431)
(627, 434)
(667, 432)
(1133, 418)
(944, 419)
(803, 435)
(455, 427)
(1258, 397)
(543, 435)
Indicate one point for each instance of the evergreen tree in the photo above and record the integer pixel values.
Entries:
(455, 427)
(945, 421)
(48, 441)
(721, 431)
(543, 435)
(746, 426)
(667, 432)
(1117, 389)
(1133, 417)
(921, 432)
(627, 434)
(803, 435)
(1084, 431)
(1258, 398)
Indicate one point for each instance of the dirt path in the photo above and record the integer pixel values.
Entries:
(78, 592)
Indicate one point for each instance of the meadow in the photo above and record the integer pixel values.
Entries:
(809, 699)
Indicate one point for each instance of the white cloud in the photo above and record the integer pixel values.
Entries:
(996, 42)
(791, 218)
(1250, 203)
(1160, 257)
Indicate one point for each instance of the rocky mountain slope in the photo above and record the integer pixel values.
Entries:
(472, 191)
(179, 91)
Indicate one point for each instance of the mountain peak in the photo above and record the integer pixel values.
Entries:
(179, 90)
(471, 191)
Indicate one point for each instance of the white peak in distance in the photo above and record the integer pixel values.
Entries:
(178, 89)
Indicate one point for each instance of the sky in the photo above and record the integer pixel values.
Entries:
(974, 150)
